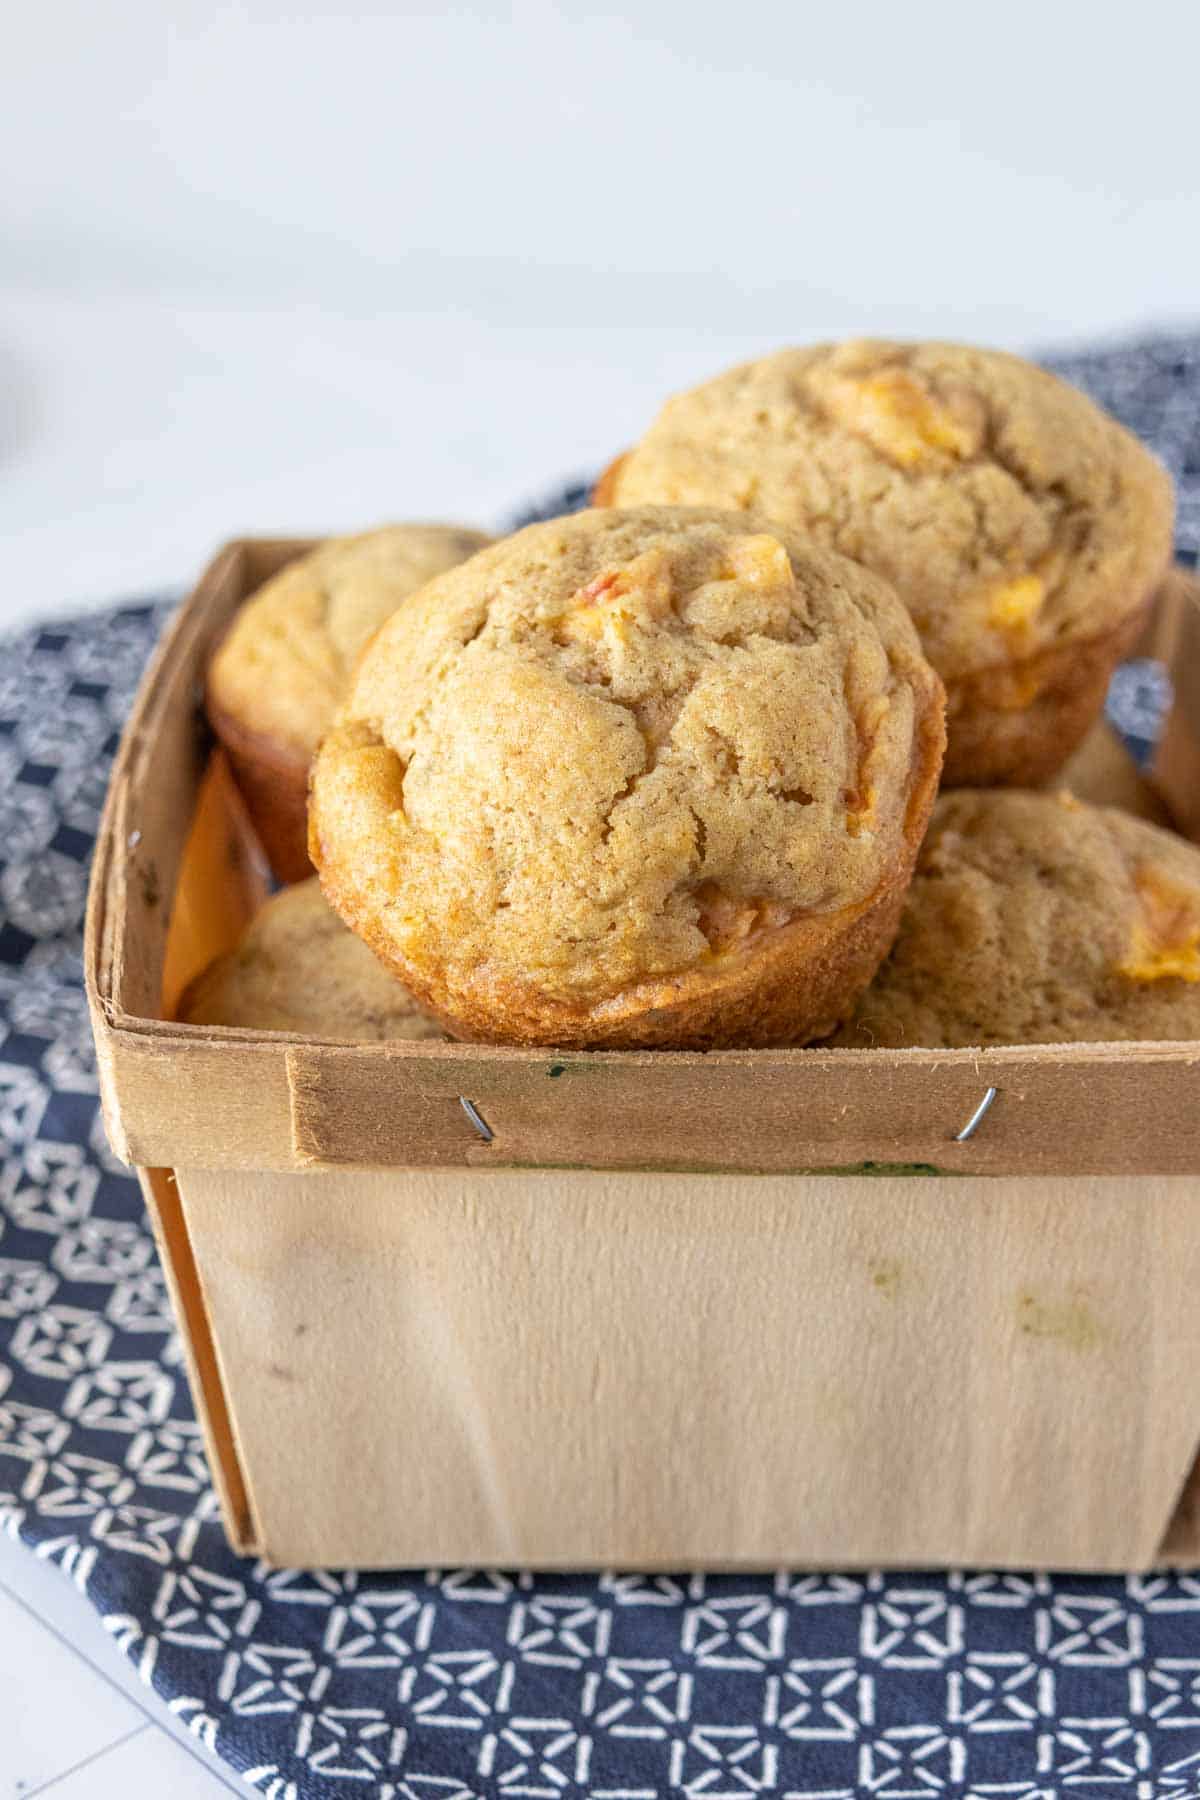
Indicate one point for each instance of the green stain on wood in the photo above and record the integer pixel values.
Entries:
(884, 1168)
(1062, 1319)
(887, 1276)
(667, 1167)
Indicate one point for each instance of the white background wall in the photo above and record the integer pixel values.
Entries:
(301, 267)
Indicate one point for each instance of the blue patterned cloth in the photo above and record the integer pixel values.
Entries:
(448, 1684)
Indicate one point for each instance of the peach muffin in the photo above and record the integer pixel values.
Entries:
(1034, 919)
(648, 777)
(1023, 528)
(298, 969)
(281, 669)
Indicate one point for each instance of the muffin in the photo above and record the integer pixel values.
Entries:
(649, 777)
(1023, 528)
(1034, 919)
(280, 672)
(298, 969)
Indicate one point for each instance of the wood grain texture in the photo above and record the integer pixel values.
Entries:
(251, 1101)
(1076, 1109)
(652, 1371)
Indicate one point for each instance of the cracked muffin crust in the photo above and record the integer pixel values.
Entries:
(281, 670)
(1023, 528)
(650, 777)
(298, 969)
(1034, 919)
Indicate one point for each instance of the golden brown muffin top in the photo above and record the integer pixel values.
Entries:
(619, 745)
(282, 668)
(1008, 511)
(1034, 919)
(298, 969)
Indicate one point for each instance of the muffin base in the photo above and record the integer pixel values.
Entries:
(790, 985)
(999, 739)
(273, 781)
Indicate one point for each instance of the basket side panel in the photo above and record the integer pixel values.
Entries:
(656, 1371)
(223, 880)
(157, 781)
(153, 794)
(204, 1377)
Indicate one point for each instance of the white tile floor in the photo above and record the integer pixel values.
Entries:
(75, 1720)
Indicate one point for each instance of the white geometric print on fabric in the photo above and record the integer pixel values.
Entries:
(468, 1684)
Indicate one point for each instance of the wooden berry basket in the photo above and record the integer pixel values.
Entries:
(679, 1310)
